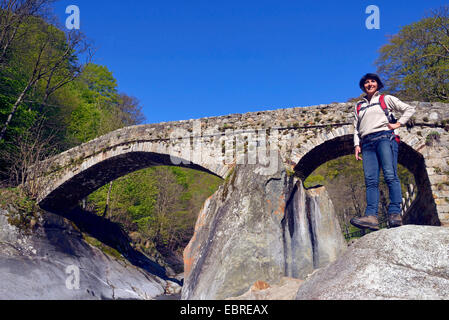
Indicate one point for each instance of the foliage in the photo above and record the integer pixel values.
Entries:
(313, 181)
(102, 108)
(26, 154)
(23, 212)
(42, 81)
(103, 247)
(159, 203)
(33, 72)
(415, 62)
(432, 137)
(50, 102)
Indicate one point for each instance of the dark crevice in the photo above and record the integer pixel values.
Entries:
(289, 219)
(309, 209)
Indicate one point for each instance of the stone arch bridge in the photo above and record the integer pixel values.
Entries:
(305, 137)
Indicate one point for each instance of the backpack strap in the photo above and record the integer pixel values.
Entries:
(385, 109)
(359, 106)
(383, 104)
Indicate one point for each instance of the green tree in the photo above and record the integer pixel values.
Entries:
(132, 201)
(415, 62)
(13, 15)
(40, 65)
(100, 84)
(314, 180)
(160, 203)
(46, 59)
(102, 109)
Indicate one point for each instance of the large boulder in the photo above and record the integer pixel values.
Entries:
(258, 226)
(409, 262)
(54, 262)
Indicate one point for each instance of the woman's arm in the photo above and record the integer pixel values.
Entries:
(356, 128)
(357, 152)
(405, 109)
(394, 126)
(357, 149)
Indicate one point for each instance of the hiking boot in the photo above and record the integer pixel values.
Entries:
(369, 222)
(394, 220)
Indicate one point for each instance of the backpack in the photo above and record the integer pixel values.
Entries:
(384, 107)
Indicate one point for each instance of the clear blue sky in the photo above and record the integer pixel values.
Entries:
(191, 59)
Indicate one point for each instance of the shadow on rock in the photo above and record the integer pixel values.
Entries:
(111, 234)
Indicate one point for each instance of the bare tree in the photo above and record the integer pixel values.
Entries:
(130, 110)
(108, 198)
(167, 201)
(59, 75)
(25, 154)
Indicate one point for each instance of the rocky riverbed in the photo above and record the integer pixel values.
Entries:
(55, 261)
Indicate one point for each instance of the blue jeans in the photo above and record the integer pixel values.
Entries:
(379, 149)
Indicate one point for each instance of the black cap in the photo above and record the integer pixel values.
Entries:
(370, 76)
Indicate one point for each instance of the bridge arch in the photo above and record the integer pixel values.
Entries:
(90, 178)
(422, 211)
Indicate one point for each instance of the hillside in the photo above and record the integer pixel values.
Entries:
(157, 207)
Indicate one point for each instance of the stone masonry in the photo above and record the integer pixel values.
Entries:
(305, 136)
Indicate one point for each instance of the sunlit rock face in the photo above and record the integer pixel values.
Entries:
(406, 263)
(262, 227)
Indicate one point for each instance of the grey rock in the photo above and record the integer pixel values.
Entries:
(250, 230)
(328, 240)
(409, 262)
(424, 104)
(238, 237)
(433, 116)
(9, 233)
(45, 265)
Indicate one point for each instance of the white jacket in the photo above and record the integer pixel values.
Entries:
(372, 118)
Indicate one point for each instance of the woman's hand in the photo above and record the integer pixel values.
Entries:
(358, 150)
(393, 126)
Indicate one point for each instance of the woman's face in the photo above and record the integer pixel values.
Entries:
(371, 86)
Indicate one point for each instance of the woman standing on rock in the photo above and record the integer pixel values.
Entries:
(375, 139)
